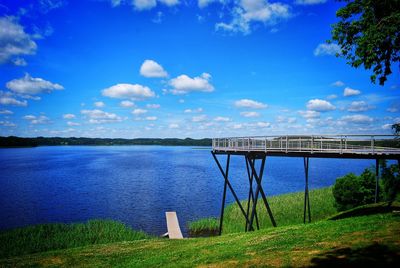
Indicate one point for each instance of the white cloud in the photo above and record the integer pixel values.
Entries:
(71, 124)
(184, 84)
(31, 86)
(173, 126)
(357, 119)
(7, 124)
(13, 40)
(246, 12)
(139, 111)
(262, 124)
(19, 62)
(252, 104)
(69, 116)
(37, 120)
(249, 114)
(205, 3)
(151, 118)
(337, 84)
(331, 97)
(198, 110)
(387, 126)
(320, 105)
(310, 2)
(132, 91)
(115, 3)
(126, 104)
(149, 4)
(98, 116)
(4, 100)
(6, 112)
(351, 92)
(99, 104)
(151, 68)
(392, 109)
(309, 114)
(327, 49)
(153, 106)
(200, 118)
(222, 119)
(359, 106)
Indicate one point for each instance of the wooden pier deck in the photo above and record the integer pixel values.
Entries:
(174, 230)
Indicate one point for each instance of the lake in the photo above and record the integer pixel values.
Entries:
(138, 184)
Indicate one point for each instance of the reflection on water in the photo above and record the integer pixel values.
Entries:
(137, 184)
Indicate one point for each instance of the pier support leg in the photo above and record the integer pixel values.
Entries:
(227, 184)
(251, 196)
(259, 189)
(377, 181)
(306, 193)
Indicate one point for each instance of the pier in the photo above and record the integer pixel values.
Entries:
(256, 149)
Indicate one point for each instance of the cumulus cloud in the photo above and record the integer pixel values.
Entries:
(320, 105)
(151, 118)
(351, 92)
(204, 3)
(249, 114)
(139, 111)
(151, 68)
(6, 112)
(71, 124)
(184, 84)
(252, 104)
(7, 124)
(99, 104)
(222, 119)
(98, 116)
(310, 2)
(327, 49)
(153, 106)
(128, 91)
(173, 126)
(331, 97)
(32, 86)
(246, 12)
(357, 119)
(359, 106)
(19, 62)
(69, 116)
(14, 41)
(126, 104)
(149, 4)
(6, 100)
(37, 120)
(392, 109)
(198, 110)
(338, 84)
(200, 118)
(309, 114)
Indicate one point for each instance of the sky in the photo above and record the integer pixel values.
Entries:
(174, 68)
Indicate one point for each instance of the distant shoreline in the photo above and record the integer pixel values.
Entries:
(20, 142)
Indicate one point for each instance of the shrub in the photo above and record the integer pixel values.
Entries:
(352, 191)
(391, 181)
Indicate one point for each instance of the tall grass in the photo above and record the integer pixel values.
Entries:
(44, 237)
(287, 209)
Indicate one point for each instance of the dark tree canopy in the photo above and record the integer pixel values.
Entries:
(369, 34)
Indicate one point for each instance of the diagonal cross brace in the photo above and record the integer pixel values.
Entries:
(259, 189)
(251, 196)
(227, 183)
(306, 192)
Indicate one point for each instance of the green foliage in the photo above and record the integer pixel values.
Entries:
(352, 191)
(287, 210)
(43, 237)
(204, 227)
(13, 141)
(391, 181)
(368, 34)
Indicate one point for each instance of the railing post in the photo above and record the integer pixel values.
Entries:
(287, 141)
(341, 145)
(372, 144)
(312, 144)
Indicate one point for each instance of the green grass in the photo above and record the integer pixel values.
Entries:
(39, 238)
(287, 210)
(204, 227)
(350, 242)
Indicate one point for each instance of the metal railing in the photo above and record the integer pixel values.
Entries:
(355, 144)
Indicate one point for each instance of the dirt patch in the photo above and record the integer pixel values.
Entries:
(51, 261)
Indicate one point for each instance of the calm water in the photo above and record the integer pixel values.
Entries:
(137, 184)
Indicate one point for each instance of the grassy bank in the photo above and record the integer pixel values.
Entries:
(287, 210)
(367, 240)
(44, 237)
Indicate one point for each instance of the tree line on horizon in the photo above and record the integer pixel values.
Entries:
(13, 141)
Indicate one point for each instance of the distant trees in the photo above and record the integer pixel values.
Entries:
(368, 33)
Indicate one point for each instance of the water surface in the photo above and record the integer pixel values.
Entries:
(137, 184)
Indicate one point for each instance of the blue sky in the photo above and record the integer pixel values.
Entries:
(173, 68)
